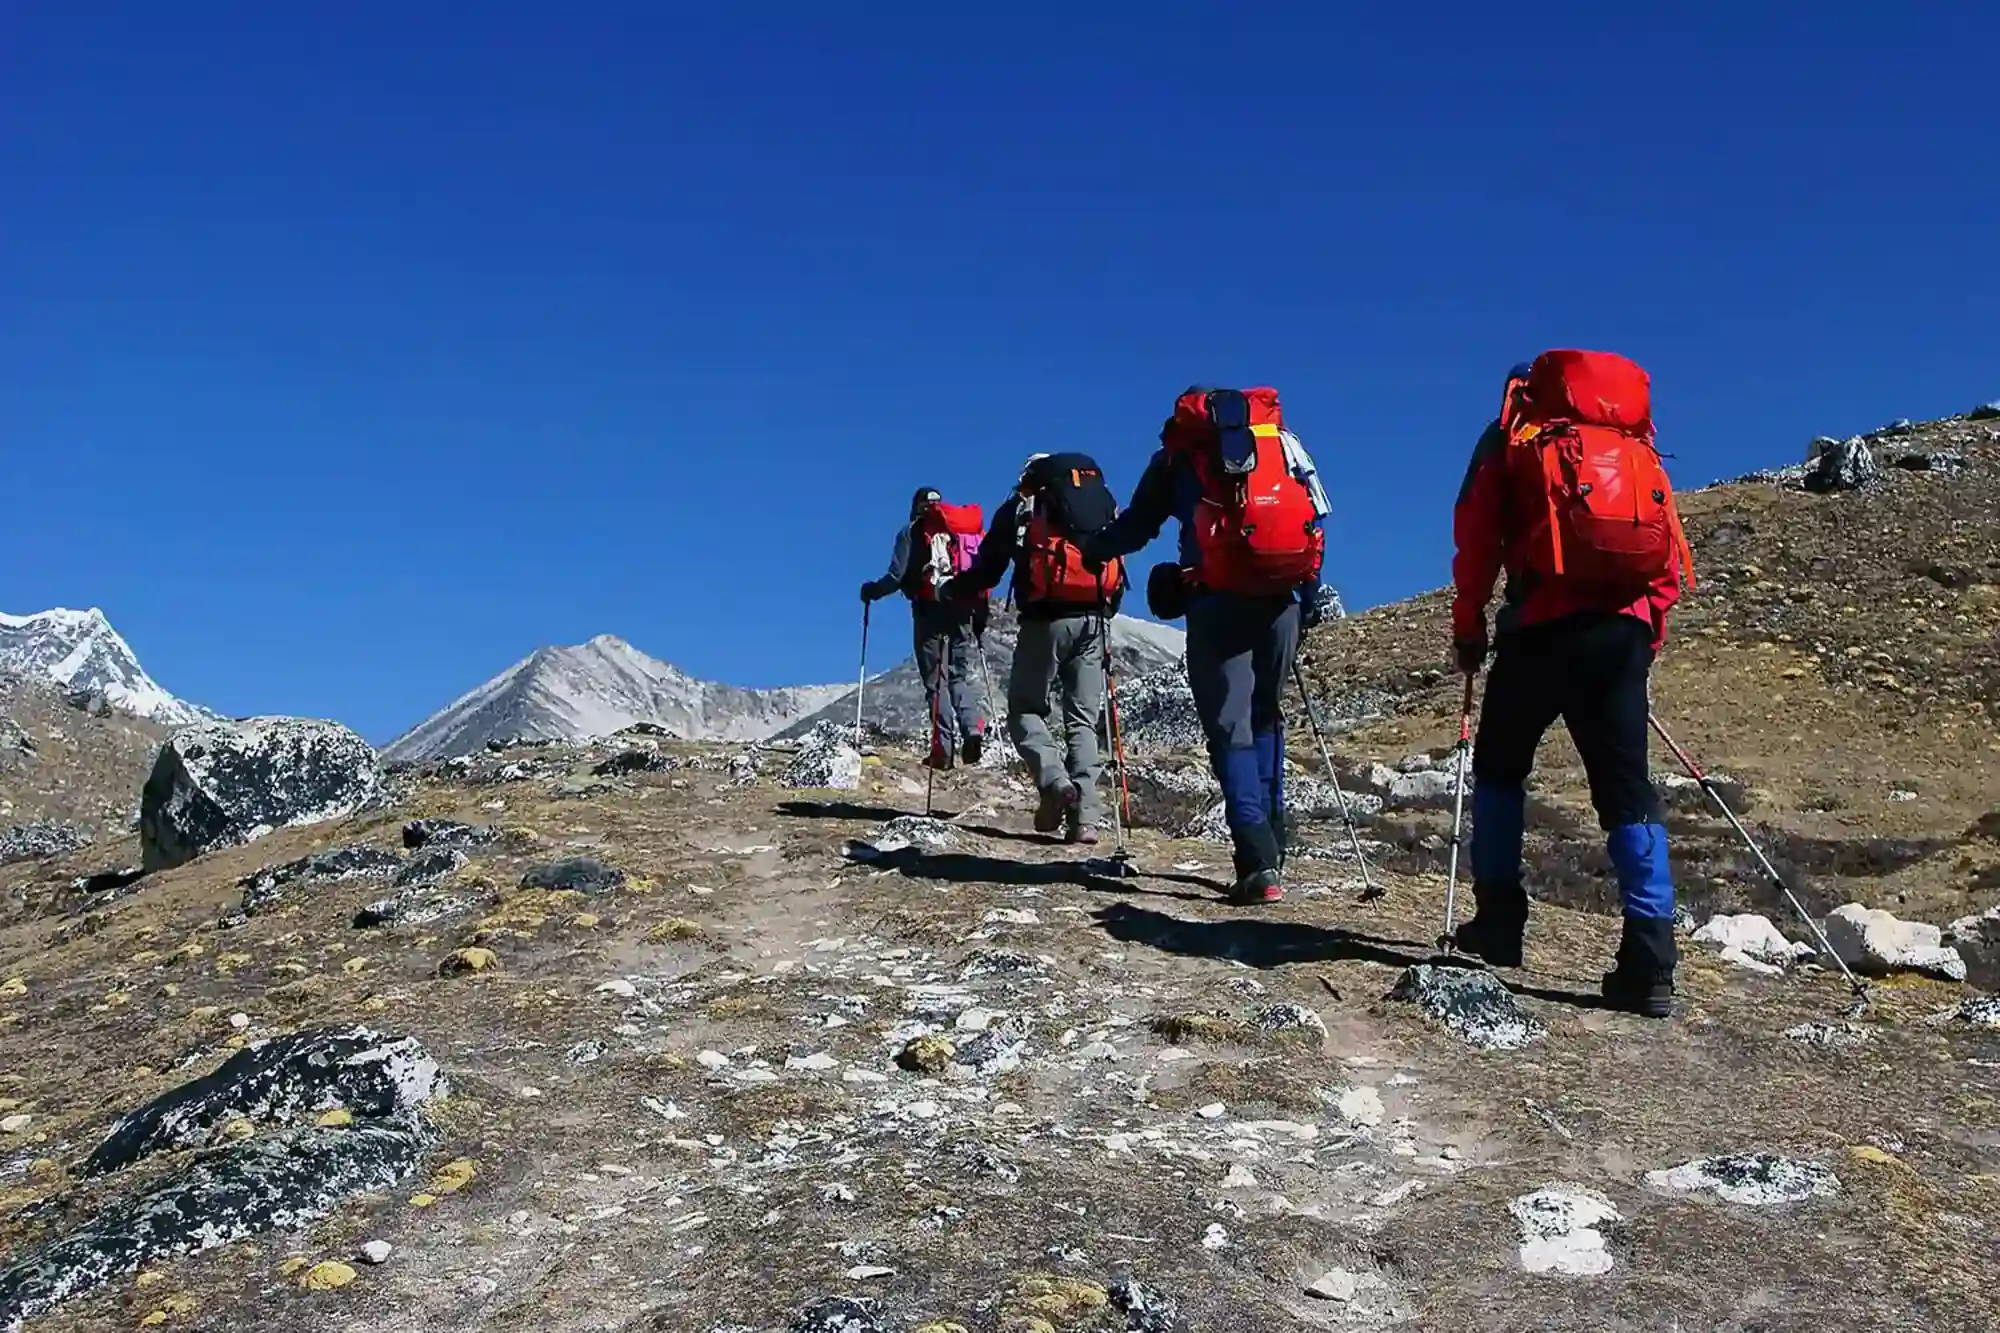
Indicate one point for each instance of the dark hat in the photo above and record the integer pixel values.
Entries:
(925, 497)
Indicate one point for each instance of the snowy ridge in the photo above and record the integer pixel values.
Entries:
(80, 652)
(575, 692)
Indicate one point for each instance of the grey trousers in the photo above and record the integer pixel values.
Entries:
(944, 656)
(1059, 662)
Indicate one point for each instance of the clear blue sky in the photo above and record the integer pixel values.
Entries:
(345, 357)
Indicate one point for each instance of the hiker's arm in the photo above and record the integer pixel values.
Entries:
(899, 566)
(1660, 599)
(1475, 567)
(1152, 505)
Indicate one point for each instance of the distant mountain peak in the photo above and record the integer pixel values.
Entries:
(573, 692)
(80, 652)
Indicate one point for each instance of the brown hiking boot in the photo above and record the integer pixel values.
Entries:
(1057, 804)
(1076, 831)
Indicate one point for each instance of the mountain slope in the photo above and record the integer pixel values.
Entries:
(894, 700)
(81, 653)
(592, 689)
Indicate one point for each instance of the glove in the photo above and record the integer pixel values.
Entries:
(1310, 612)
(867, 592)
(1471, 653)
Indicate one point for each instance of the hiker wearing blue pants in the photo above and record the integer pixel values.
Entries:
(1569, 649)
(1249, 586)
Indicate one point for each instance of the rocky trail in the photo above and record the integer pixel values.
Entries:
(646, 1039)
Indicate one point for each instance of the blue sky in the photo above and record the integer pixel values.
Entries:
(347, 356)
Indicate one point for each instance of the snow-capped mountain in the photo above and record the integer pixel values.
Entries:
(894, 700)
(80, 652)
(592, 689)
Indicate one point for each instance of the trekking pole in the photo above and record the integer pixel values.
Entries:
(1694, 771)
(1448, 941)
(1121, 805)
(1370, 891)
(861, 687)
(985, 677)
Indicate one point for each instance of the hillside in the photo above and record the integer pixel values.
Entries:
(640, 1038)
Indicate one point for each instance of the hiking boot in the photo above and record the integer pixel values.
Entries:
(1075, 831)
(1058, 803)
(1257, 889)
(1642, 980)
(975, 745)
(1495, 930)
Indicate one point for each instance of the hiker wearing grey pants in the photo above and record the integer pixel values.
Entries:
(1068, 653)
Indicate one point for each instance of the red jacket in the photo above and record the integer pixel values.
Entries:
(1480, 528)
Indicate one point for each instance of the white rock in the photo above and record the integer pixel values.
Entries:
(866, 1272)
(1213, 1111)
(817, 1062)
(712, 1060)
(1239, 1177)
(239, 1021)
(1876, 943)
(1338, 1285)
(376, 1252)
(622, 988)
(15, 1124)
(1013, 916)
(1215, 1238)
(975, 1020)
(1559, 1230)
(1361, 1107)
(1750, 941)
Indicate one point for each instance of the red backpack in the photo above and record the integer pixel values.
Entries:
(1255, 526)
(1066, 498)
(1594, 507)
(947, 542)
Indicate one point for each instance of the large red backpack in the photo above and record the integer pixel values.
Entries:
(1588, 495)
(1255, 526)
(946, 543)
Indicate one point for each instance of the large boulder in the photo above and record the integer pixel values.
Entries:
(220, 784)
(826, 759)
(1841, 465)
(1877, 943)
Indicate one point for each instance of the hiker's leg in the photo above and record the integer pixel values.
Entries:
(1272, 664)
(1081, 655)
(931, 650)
(965, 707)
(1607, 714)
(1029, 704)
(1222, 639)
(1520, 704)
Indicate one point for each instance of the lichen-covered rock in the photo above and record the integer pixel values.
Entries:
(1877, 943)
(35, 842)
(826, 760)
(1841, 465)
(638, 760)
(997, 1050)
(837, 1314)
(281, 1081)
(439, 833)
(431, 865)
(581, 874)
(1561, 1230)
(220, 784)
(263, 889)
(1471, 1003)
(1145, 1310)
(287, 1179)
(1290, 1020)
(1757, 1180)
(1981, 1013)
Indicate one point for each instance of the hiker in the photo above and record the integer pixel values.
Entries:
(1248, 589)
(1064, 608)
(940, 540)
(1566, 493)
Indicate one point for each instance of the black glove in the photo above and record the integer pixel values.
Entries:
(867, 592)
(1167, 591)
(1471, 653)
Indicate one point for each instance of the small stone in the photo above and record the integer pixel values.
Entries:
(926, 1055)
(469, 960)
(1213, 1111)
(1239, 1177)
(423, 1200)
(1471, 1003)
(328, 1275)
(1361, 1107)
(239, 1021)
(621, 988)
(713, 1061)
(817, 1062)
(1560, 1230)
(1752, 1179)
(13, 988)
(1877, 943)
(1751, 942)
(376, 1252)
(454, 1176)
(868, 1272)
(338, 1118)
(1216, 1237)
(15, 1124)
(975, 1020)
(1288, 1019)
